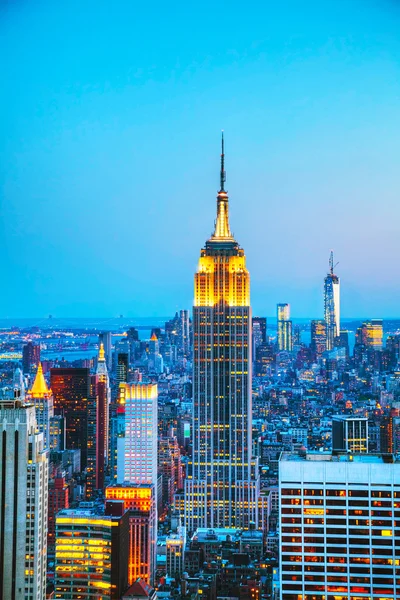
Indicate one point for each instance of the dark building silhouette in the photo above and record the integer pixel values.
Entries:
(71, 390)
(30, 357)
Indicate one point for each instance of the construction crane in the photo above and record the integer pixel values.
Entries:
(331, 265)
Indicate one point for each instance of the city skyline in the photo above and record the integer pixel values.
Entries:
(113, 153)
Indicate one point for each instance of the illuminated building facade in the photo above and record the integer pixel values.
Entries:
(57, 433)
(140, 501)
(91, 554)
(349, 434)
(175, 545)
(58, 499)
(103, 405)
(222, 487)
(42, 399)
(374, 333)
(138, 462)
(284, 328)
(23, 504)
(98, 426)
(318, 337)
(332, 306)
(339, 524)
(71, 390)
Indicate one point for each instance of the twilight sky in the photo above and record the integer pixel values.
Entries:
(111, 113)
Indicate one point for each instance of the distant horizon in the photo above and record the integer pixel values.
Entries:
(170, 316)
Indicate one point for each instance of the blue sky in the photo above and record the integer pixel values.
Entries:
(111, 116)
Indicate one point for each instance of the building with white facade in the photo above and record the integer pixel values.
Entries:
(23, 503)
(340, 527)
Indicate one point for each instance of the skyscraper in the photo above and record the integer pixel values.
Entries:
(332, 305)
(30, 357)
(140, 501)
(71, 390)
(103, 406)
(284, 327)
(184, 335)
(318, 337)
(221, 488)
(23, 504)
(121, 359)
(374, 333)
(138, 461)
(259, 335)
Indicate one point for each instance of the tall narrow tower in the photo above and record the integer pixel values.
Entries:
(332, 305)
(221, 488)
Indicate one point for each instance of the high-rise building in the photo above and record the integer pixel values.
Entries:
(122, 359)
(260, 324)
(265, 358)
(140, 501)
(42, 399)
(318, 337)
(259, 334)
(349, 434)
(284, 328)
(57, 433)
(374, 333)
(138, 462)
(332, 305)
(175, 545)
(222, 484)
(92, 553)
(30, 357)
(23, 504)
(390, 432)
(105, 339)
(98, 426)
(184, 332)
(71, 391)
(339, 533)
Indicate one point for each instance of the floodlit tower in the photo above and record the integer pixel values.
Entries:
(222, 486)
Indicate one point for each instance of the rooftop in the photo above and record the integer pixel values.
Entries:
(341, 457)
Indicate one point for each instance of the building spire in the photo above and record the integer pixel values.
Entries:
(222, 229)
(222, 174)
(39, 388)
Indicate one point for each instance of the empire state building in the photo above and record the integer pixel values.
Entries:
(222, 484)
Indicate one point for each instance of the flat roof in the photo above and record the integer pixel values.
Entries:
(340, 457)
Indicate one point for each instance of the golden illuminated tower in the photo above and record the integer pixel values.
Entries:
(221, 489)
